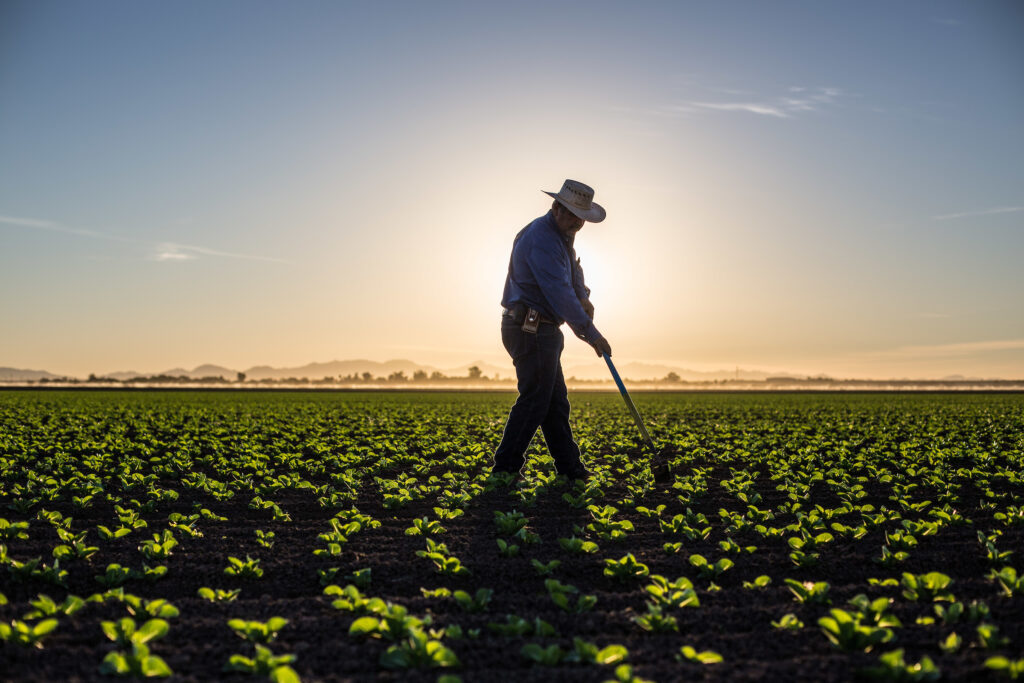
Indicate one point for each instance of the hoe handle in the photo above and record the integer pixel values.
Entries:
(629, 402)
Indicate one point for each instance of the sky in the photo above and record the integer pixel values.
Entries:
(812, 187)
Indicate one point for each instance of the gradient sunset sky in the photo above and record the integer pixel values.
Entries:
(814, 187)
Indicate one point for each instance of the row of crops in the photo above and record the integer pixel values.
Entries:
(359, 536)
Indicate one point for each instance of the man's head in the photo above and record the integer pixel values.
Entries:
(568, 223)
(573, 205)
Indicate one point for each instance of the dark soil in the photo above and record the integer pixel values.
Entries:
(733, 621)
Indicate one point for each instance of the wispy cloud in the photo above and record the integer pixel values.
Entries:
(751, 107)
(981, 212)
(170, 251)
(163, 251)
(796, 100)
(37, 224)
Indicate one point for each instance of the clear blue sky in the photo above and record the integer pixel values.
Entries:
(819, 187)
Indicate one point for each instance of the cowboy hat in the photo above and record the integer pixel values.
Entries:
(579, 200)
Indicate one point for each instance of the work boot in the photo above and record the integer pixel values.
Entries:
(575, 474)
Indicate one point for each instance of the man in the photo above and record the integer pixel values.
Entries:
(545, 288)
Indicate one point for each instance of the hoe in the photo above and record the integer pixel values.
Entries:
(659, 459)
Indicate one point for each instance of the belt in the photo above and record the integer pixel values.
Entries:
(521, 312)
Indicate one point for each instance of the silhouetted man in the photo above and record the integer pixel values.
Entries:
(545, 288)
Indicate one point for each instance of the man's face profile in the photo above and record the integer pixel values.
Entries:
(568, 223)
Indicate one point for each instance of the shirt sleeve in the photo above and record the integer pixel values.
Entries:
(549, 267)
(582, 291)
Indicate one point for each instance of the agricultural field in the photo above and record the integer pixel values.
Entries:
(358, 536)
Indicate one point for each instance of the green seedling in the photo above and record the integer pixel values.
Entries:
(137, 663)
(649, 513)
(812, 592)
(690, 654)
(803, 559)
(731, 546)
(450, 566)
(447, 513)
(589, 653)
(710, 570)
(361, 577)
(425, 526)
(624, 674)
(875, 612)
(930, 587)
(545, 568)
(891, 559)
(349, 599)
(992, 554)
(115, 575)
(509, 523)
(604, 526)
(626, 568)
(13, 530)
(243, 569)
(578, 545)
(265, 539)
(265, 663)
(27, 635)
(257, 631)
(552, 655)
(159, 547)
(148, 573)
(326, 576)
(185, 524)
(900, 540)
(1011, 668)
(1008, 581)
(656, 620)
(44, 606)
(516, 626)
(989, 638)
(108, 535)
(847, 632)
(473, 603)
(951, 643)
(788, 622)
(672, 594)
(419, 651)
(394, 623)
(560, 593)
(506, 549)
(125, 632)
(893, 667)
(760, 582)
(1012, 516)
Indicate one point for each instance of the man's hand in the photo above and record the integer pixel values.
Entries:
(588, 308)
(601, 346)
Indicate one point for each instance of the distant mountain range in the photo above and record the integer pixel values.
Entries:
(333, 369)
(635, 371)
(16, 375)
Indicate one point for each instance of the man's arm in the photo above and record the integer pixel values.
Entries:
(549, 268)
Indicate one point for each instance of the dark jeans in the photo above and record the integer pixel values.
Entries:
(542, 401)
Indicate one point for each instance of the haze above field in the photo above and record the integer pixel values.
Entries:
(794, 187)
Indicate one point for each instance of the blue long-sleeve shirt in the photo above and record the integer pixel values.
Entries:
(543, 273)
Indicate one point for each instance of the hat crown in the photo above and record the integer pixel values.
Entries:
(578, 198)
(576, 193)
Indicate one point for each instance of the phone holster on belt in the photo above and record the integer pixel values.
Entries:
(531, 321)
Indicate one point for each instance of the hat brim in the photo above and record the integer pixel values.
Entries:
(596, 213)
